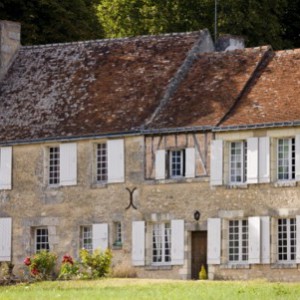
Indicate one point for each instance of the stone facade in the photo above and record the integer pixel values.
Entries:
(32, 203)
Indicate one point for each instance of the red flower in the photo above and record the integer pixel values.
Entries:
(67, 259)
(34, 272)
(27, 261)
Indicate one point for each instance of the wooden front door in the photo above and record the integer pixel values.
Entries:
(199, 252)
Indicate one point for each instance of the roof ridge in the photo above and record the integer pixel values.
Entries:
(269, 53)
(203, 44)
(232, 52)
(112, 40)
(287, 51)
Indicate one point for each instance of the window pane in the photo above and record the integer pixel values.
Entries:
(161, 243)
(54, 161)
(86, 237)
(41, 239)
(238, 162)
(101, 162)
(286, 239)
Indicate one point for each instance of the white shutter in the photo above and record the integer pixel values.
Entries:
(252, 160)
(265, 240)
(68, 164)
(213, 241)
(254, 240)
(190, 163)
(297, 152)
(177, 242)
(100, 236)
(160, 164)
(297, 239)
(115, 161)
(216, 162)
(5, 168)
(264, 160)
(5, 239)
(138, 243)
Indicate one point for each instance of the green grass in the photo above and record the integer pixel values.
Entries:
(141, 289)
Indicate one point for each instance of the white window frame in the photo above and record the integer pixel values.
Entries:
(43, 245)
(117, 234)
(285, 237)
(161, 238)
(291, 164)
(86, 237)
(176, 166)
(238, 241)
(54, 162)
(243, 162)
(101, 162)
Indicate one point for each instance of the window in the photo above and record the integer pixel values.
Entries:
(101, 162)
(86, 238)
(54, 159)
(238, 241)
(286, 159)
(41, 239)
(161, 243)
(117, 234)
(176, 163)
(238, 162)
(287, 240)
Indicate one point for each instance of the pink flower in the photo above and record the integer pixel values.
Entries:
(27, 261)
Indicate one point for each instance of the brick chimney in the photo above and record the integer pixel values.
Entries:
(9, 44)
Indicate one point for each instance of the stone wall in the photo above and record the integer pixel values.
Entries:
(32, 203)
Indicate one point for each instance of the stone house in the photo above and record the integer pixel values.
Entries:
(170, 153)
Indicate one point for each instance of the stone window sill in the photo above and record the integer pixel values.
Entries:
(161, 267)
(99, 185)
(284, 266)
(241, 186)
(235, 266)
(177, 180)
(290, 183)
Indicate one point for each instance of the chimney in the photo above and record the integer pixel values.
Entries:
(229, 43)
(9, 44)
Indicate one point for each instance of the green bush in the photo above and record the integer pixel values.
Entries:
(68, 269)
(96, 264)
(41, 265)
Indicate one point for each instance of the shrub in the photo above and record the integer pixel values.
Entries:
(202, 273)
(7, 276)
(68, 269)
(124, 270)
(96, 264)
(41, 265)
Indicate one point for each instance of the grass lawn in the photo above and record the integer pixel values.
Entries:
(141, 289)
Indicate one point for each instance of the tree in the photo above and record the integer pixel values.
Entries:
(259, 21)
(291, 25)
(52, 21)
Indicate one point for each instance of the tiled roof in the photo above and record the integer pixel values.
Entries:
(88, 88)
(210, 89)
(275, 96)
